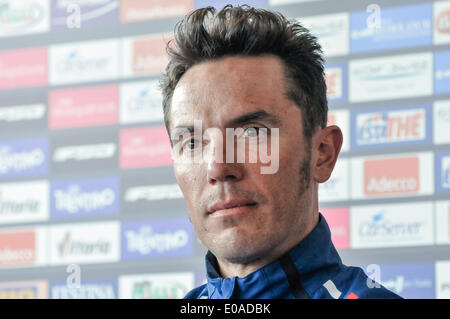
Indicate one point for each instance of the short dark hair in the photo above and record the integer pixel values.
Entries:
(205, 35)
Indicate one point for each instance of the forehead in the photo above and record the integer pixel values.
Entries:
(220, 89)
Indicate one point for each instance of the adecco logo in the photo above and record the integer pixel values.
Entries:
(144, 55)
(17, 248)
(137, 10)
(391, 176)
(441, 12)
(442, 22)
(399, 175)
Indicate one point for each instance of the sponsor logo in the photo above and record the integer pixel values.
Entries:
(17, 248)
(144, 147)
(338, 220)
(84, 62)
(85, 197)
(391, 77)
(23, 17)
(88, 243)
(400, 27)
(332, 30)
(84, 107)
(445, 172)
(442, 72)
(24, 290)
(385, 225)
(84, 152)
(23, 68)
(442, 211)
(442, 172)
(23, 202)
(145, 55)
(391, 176)
(161, 238)
(341, 119)
(409, 281)
(22, 113)
(335, 78)
(156, 286)
(92, 12)
(136, 10)
(442, 279)
(87, 290)
(441, 22)
(23, 157)
(154, 192)
(441, 122)
(382, 127)
(379, 225)
(336, 187)
(69, 246)
(140, 102)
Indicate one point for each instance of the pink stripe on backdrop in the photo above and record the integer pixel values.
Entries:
(338, 220)
(80, 107)
(144, 147)
(23, 68)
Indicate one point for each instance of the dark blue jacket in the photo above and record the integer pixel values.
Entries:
(312, 269)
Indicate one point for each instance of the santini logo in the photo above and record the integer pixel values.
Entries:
(84, 152)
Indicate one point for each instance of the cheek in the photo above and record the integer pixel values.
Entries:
(187, 178)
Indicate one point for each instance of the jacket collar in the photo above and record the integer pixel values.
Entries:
(315, 258)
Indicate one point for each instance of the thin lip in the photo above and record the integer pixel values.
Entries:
(229, 204)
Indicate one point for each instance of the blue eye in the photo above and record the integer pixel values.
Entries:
(189, 143)
(253, 131)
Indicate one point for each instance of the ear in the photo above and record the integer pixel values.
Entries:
(328, 145)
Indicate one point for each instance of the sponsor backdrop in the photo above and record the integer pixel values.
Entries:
(89, 205)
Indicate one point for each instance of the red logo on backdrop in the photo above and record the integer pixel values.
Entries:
(17, 249)
(84, 107)
(443, 22)
(448, 222)
(149, 55)
(338, 219)
(23, 68)
(391, 176)
(145, 147)
(138, 10)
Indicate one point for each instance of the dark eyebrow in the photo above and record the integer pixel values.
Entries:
(259, 115)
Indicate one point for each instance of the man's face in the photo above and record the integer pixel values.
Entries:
(216, 92)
